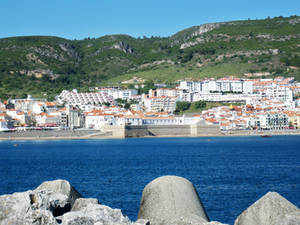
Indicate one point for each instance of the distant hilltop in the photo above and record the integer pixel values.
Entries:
(45, 65)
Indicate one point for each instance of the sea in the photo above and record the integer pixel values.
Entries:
(229, 173)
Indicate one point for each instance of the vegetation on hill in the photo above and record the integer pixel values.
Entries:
(43, 66)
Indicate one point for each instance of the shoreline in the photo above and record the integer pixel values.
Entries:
(7, 136)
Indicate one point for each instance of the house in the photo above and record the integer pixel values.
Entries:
(3, 125)
(97, 120)
(45, 120)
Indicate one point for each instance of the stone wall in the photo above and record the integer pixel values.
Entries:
(172, 130)
(202, 129)
(157, 130)
(48, 133)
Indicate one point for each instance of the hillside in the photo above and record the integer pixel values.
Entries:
(42, 65)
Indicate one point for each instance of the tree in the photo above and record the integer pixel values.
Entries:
(127, 105)
(182, 106)
(107, 103)
(149, 84)
(199, 105)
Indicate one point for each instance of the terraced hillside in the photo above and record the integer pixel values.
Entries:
(40, 65)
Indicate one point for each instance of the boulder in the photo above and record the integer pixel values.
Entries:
(39, 217)
(171, 200)
(51, 204)
(61, 187)
(14, 207)
(95, 214)
(81, 203)
(40, 206)
(271, 209)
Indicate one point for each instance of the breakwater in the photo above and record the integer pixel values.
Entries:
(167, 200)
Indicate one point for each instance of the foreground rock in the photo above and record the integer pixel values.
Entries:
(271, 209)
(167, 200)
(171, 200)
(51, 204)
(61, 187)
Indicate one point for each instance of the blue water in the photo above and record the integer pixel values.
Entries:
(229, 173)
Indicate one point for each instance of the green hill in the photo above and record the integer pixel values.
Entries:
(41, 65)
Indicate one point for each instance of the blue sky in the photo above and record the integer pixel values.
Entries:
(74, 19)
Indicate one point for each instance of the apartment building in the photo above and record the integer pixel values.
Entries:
(160, 104)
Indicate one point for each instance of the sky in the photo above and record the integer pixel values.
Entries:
(79, 19)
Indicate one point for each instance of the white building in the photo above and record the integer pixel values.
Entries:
(3, 125)
(160, 104)
(98, 120)
(44, 119)
(248, 86)
(87, 98)
(124, 94)
(268, 121)
(279, 93)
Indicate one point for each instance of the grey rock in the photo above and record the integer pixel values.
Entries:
(61, 187)
(268, 210)
(171, 199)
(57, 203)
(19, 209)
(14, 206)
(192, 220)
(50, 204)
(81, 203)
(188, 220)
(95, 214)
(290, 219)
(141, 222)
(40, 206)
(39, 217)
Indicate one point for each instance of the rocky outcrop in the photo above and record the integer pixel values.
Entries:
(56, 202)
(171, 200)
(271, 209)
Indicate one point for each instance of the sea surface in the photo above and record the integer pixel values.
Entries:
(229, 173)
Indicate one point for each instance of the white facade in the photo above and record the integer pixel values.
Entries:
(185, 96)
(269, 121)
(3, 125)
(45, 118)
(167, 92)
(124, 94)
(209, 86)
(89, 98)
(280, 93)
(97, 121)
(160, 104)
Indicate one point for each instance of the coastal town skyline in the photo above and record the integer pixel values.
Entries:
(240, 105)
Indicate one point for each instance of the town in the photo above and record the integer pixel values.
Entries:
(245, 104)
